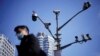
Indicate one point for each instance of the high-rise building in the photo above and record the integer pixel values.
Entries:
(6, 48)
(47, 43)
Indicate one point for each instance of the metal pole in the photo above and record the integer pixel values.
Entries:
(69, 20)
(57, 52)
(47, 28)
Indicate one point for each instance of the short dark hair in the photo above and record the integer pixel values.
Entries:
(20, 27)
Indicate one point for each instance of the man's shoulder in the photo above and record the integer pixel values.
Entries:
(18, 47)
(30, 37)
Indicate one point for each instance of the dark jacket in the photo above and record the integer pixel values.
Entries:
(30, 47)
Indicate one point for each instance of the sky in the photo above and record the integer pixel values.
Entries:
(19, 12)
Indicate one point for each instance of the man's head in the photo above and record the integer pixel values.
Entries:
(21, 31)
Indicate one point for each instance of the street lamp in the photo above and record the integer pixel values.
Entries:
(57, 52)
(77, 41)
(34, 16)
(47, 25)
(86, 5)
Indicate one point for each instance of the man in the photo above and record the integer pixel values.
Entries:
(29, 45)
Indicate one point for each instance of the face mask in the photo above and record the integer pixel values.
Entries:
(20, 36)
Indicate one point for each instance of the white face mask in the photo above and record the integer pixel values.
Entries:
(20, 36)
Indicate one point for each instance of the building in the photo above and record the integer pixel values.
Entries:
(47, 43)
(6, 48)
